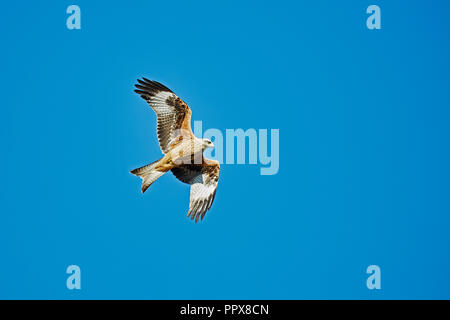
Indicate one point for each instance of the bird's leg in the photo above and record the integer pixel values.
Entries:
(165, 164)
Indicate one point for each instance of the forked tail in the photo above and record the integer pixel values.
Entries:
(148, 174)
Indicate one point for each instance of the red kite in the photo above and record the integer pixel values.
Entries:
(183, 152)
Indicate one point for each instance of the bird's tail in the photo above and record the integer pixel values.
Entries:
(148, 174)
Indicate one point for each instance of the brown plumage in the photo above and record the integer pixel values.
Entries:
(183, 152)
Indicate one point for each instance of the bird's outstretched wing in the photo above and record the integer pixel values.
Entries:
(203, 179)
(173, 114)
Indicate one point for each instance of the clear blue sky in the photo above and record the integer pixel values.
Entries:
(364, 150)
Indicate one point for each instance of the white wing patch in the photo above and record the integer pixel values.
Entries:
(166, 118)
(203, 191)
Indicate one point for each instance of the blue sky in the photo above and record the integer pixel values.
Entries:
(364, 150)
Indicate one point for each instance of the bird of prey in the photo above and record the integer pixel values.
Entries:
(183, 152)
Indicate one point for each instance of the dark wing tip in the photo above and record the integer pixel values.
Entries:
(144, 95)
(152, 86)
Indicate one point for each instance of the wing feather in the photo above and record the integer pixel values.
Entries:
(173, 114)
(203, 179)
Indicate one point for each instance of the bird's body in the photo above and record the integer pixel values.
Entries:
(183, 152)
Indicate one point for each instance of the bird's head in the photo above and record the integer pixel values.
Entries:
(207, 144)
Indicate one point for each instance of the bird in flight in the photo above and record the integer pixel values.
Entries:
(183, 152)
